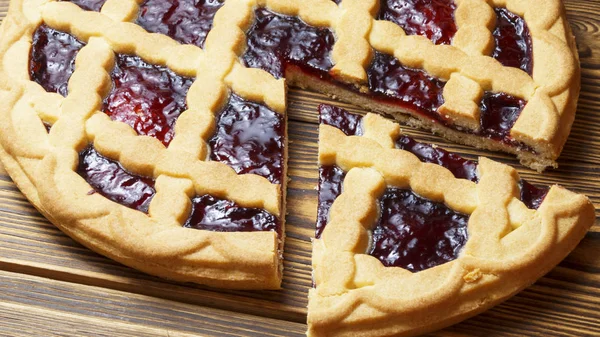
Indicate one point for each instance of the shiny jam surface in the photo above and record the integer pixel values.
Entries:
(513, 41)
(52, 59)
(409, 88)
(276, 41)
(250, 138)
(415, 233)
(337, 117)
(531, 195)
(331, 179)
(213, 214)
(431, 18)
(186, 21)
(110, 179)
(147, 97)
(89, 5)
(461, 168)
(499, 112)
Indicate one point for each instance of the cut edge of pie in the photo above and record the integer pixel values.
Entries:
(510, 245)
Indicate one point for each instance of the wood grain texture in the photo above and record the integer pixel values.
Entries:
(43, 307)
(69, 279)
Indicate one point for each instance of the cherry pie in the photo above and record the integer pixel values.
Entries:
(411, 238)
(154, 131)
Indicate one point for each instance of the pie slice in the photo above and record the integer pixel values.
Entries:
(411, 238)
(164, 156)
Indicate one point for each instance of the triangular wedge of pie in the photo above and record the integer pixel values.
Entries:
(412, 238)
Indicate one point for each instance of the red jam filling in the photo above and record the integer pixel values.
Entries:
(110, 179)
(499, 112)
(213, 214)
(431, 18)
(415, 233)
(513, 41)
(52, 59)
(331, 179)
(409, 88)
(147, 97)
(186, 21)
(276, 41)
(88, 5)
(250, 138)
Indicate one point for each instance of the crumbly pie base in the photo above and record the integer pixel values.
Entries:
(509, 246)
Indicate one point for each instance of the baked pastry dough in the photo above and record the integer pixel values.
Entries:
(345, 37)
(510, 244)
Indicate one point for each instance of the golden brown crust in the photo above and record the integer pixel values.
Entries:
(43, 164)
(509, 245)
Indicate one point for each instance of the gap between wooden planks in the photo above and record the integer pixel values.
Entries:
(570, 294)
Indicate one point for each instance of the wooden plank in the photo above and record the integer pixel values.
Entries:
(37, 306)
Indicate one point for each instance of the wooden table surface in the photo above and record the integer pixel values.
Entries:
(52, 286)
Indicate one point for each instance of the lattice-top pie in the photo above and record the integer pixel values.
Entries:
(411, 238)
(129, 123)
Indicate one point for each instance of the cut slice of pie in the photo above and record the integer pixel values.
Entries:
(411, 238)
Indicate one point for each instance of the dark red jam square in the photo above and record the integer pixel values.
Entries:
(276, 41)
(88, 5)
(513, 41)
(52, 59)
(110, 179)
(431, 18)
(147, 97)
(186, 21)
(250, 138)
(218, 215)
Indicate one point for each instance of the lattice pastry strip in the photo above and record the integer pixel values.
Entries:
(509, 245)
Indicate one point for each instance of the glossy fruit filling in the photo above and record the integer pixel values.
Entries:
(250, 138)
(415, 233)
(213, 214)
(110, 179)
(513, 41)
(431, 18)
(147, 97)
(52, 58)
(409, 88)
(186, 21)
(393, 235)
(88, 5)
(276, 41)
(499, 112)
